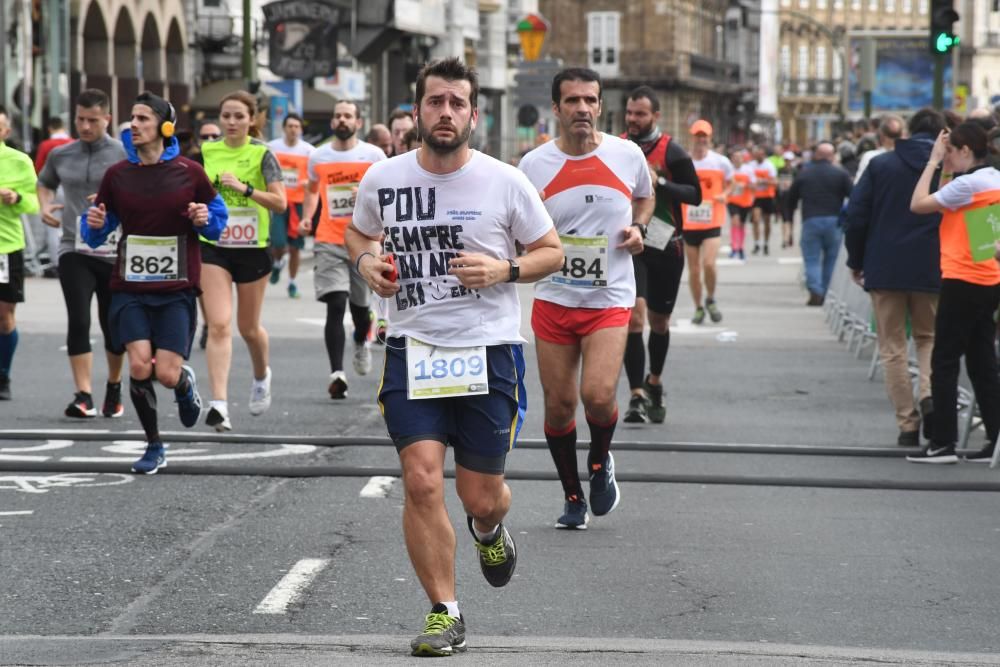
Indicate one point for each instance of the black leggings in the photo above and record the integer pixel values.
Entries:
(334, 334)
(964, 327)
(81, 277)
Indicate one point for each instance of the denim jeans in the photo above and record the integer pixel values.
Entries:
(820, 243)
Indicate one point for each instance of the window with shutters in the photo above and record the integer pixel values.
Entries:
(604, 42)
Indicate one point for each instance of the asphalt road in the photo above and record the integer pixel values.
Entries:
(769, 521)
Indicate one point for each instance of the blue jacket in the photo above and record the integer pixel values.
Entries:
(218, 214)
(896, 249)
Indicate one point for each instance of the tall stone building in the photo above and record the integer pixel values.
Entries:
(699, 56)
(819, 46)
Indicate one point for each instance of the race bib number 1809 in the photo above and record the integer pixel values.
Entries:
(436, 372)
(585, 261)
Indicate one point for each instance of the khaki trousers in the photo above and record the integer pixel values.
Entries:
(891, 308)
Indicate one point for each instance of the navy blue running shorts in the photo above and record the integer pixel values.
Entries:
(166, 319)
(481, 429)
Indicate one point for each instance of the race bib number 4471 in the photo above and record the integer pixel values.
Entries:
(585, 261)
(436, 372)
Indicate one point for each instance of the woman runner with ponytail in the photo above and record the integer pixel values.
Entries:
(249, 179)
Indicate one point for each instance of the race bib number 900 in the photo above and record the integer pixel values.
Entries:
(242, 230)
(4, 269)
(436, 372)
(153, 259)
(585, 261)
(340, 199)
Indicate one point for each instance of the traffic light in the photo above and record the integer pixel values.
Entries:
(943, 16)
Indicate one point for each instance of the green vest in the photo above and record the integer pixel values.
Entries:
(249, 222)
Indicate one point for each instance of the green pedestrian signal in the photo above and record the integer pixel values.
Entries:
(942, 36)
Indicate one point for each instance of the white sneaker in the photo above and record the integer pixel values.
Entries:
(338, 385)
(218, 417)
(362, 358)
(260, 395)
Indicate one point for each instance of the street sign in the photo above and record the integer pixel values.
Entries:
(533, 82)
(303, 38)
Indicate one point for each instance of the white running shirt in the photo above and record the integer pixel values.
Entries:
(590, 200)
(300, 148)
(427, 219)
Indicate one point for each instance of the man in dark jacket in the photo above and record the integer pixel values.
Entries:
(822, 187)
(895, 255)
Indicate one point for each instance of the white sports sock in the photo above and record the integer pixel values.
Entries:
(452, 608)
(487, 537)
(221, 406)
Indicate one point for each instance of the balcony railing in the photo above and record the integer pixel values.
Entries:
(811, 87)
(714, 70)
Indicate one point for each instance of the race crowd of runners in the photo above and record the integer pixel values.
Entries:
(413, 216)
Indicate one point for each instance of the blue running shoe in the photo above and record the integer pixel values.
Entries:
(604, 494)
(154, 459)
(574, 516)
(189, 403)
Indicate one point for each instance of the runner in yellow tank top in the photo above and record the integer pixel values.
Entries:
(249, 179)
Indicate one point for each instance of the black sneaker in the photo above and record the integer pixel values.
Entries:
(713, 310)
(4, 388)
(908, 439)
(188, 403)
(81, 407)
(442, 635)
(497, 559)
(935, 453)
(927, 416)
(113, 406)
(656, 409)
(575, 515)
(604, 494)
(984, 455)
(636, 413)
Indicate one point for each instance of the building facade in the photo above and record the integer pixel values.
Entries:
(819, 49)
(688, 51)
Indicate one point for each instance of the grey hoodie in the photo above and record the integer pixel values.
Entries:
(79, 167)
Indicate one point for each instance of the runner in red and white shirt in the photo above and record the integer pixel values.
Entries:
(598, 190)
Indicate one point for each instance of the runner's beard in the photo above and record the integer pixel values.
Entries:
(441, 145)
(343, 132)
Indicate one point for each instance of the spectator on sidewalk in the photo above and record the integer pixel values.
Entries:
(894, 254)
(822, 188)
(890, 130)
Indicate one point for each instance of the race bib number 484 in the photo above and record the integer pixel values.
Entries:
(585, 261)
(436, 372)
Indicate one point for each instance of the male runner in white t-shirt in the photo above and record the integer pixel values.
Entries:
(450, 216)
(599, 192)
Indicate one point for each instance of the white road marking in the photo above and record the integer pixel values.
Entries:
(291, 586)
(789, 260)
(135, 448)
(683, 326)
(51, 444)
(377, 487)
(17, 512)
(42, 483)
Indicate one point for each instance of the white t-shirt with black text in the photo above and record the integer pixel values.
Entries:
(428, 219)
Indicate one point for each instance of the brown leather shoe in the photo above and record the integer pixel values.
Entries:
(814, 299)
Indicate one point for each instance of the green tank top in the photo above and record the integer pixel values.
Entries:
(249, 222)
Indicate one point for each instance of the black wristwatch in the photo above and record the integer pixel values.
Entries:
(249, 190)
(515, 271)
(642, 228)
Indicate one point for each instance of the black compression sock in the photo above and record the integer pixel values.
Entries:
(362, 322)
(635, 360)
(659, 345)
(144, 400)
(562, 446)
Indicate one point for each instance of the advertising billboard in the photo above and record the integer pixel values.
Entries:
(904, 75)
